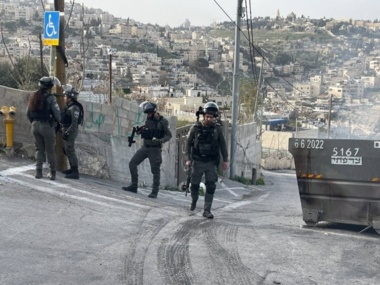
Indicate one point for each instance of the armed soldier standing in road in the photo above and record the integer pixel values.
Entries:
(154, 133)
(72, 117)
(44, 114)
(205, 142)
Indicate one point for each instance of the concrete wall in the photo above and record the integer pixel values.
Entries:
(248, 150)
(102, 145)
(275, 154)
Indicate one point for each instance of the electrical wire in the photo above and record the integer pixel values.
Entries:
(251, 45)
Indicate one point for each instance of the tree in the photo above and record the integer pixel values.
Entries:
(27, 72)
(247, 100)
(94, 23)
(22, 23)
(11, 26)
(5, 76)
(282, 58)
(201, 62)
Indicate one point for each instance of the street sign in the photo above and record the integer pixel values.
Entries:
(51, 28)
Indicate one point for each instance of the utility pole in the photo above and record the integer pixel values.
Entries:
(329, 118)
(258, 93)
(110, 73)
(41, 56)
(235, 90)
(60, 73)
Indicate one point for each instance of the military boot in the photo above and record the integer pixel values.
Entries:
(194, 199)
(38, 174)
(193, 205)
(74, 174)
(52, 175)
(154, 193)
(131, 188)
(67, 171)
(194, 196)
(207, 207)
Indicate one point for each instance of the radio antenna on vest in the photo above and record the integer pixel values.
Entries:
(199, 112)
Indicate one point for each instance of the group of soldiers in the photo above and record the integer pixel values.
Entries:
(47, 119)
(205, 144)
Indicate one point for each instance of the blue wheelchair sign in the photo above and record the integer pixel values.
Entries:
(51, 28)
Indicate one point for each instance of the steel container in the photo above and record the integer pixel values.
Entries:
(338, 180)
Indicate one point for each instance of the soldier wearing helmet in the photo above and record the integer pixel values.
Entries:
(72, 117)
(44, 114)
(204, 145)
(154, 133)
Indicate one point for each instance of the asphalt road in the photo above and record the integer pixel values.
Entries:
(89, 231)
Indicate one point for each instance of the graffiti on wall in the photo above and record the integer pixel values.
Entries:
(139, 120)
(94, 121)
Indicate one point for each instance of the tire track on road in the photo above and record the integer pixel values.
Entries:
(221, 243)
(174, 256)
(136, 255)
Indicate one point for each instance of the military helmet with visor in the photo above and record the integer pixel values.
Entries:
(48, 82)
(70, 92)
(148, 107)
(211, 108)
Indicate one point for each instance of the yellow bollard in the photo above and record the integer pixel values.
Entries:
(9, 114)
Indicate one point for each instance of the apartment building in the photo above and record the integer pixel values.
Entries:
(352, 88)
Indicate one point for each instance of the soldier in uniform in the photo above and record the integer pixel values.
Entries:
(154, 133)
(205, 142)
(44, 114)
(72, 117)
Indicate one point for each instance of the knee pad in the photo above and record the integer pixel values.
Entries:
(194, 188)
(210, 187)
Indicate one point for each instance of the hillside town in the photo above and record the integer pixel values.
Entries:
(312, 70)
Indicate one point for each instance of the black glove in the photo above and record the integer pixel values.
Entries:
(57, 128)
(65, 136)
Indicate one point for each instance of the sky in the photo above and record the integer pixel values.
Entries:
(205, 12)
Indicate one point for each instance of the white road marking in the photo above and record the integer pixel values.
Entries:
(4, 176)
(237, 205)
(224, 187)
(17, 170)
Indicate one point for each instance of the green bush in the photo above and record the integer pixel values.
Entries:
(260, 181)
(243, 180)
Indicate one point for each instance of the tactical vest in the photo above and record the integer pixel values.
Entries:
(152, 129)
(45, 113)
(66, 116)
(205, 142)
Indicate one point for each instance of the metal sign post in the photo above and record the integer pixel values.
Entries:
(54, 37)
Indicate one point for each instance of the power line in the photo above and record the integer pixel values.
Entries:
(257, 50)
(253, 48)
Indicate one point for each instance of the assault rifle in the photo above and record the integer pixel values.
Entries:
(186, 187)
(132, 136)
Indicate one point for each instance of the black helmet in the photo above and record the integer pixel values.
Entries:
(48, 82)
(211, 108)
(148, 107)
(70, 92)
